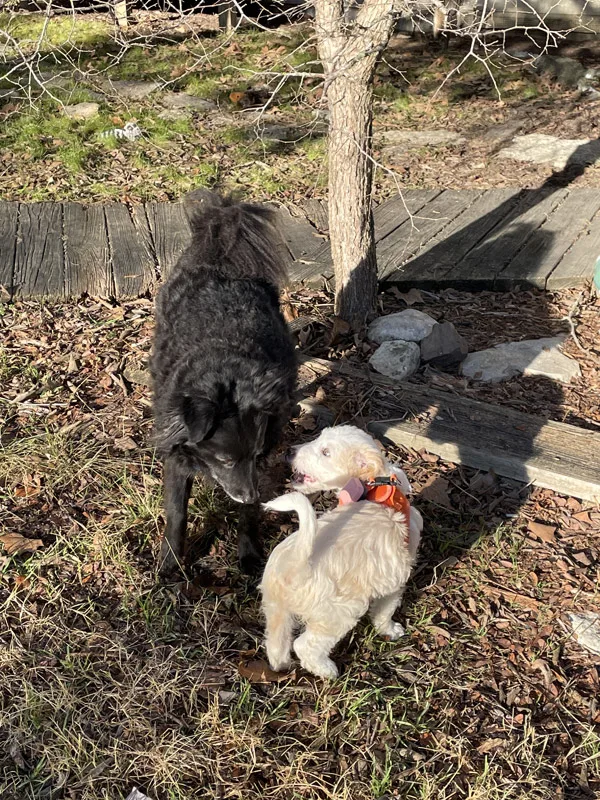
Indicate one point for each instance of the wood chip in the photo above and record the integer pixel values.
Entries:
(544, 532)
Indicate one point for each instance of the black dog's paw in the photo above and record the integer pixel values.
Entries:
(169, 565)
(250, 556)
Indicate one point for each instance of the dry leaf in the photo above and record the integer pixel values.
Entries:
(489, 745)
(436, 491)
(411, 297)
(125, 443)
(340, 328)
(544, 532)
(15, 544)
(260, 672)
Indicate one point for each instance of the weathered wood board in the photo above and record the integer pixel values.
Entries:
(520, 446)
(434, 263)
(39, 255)
(553, 455)
(543, 252)
(134, 267)
(87, 255)
(481, 266)
(170, 231)
(413, 234)
(577, 264)
(9, 217)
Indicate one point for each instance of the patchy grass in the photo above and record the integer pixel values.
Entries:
(50, 158)
(110, 679)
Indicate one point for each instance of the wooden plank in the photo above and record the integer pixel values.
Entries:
(397, 209)
(300, 236)
(544, 250)
(432, 266)
(39, 254)
(317, 212)
(553, 455)
(133, 262)
(479, 268)
(9, 218)
(87, 259)
(170, 231)
(577, 265)
(520, 446)
(407, 239)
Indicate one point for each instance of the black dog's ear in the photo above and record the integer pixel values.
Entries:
(199, 417)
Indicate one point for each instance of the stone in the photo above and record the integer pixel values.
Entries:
(133, 90)
(409, 325)
(182, 100)
(538, 148)
(444, 347)
(530, 357)
(174, 114)
(413, 140)
(501, 133)
(397, 360)
(82, 110)
(565, 71)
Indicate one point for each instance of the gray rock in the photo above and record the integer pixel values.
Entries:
(564, 70)
(412, 140)
(409, 325)
(82, 110)
(531, 357)
(444, 347)
(174, 114)
(397, 360)
(182, 100)
(502, 133)
(538, 148)
(133, 90)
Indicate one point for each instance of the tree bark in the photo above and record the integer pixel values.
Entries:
(349, 53)
(350, 184)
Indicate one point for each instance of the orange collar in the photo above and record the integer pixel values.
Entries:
(384, 491)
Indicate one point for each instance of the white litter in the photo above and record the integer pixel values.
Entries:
(586, 628)
(130, 131)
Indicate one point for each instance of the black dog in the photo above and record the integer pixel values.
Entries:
(223, 364)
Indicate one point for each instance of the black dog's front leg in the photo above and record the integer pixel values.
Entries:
(250, 554)
(177, 483)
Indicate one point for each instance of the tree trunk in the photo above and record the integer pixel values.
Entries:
(349, 51)
(350, 181)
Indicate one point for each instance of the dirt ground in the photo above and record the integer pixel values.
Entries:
(110, 679)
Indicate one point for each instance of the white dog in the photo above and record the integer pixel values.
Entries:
(355, 558)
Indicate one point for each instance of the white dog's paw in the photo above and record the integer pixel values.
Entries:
(280, 664)
(392, 630)
(323, 669)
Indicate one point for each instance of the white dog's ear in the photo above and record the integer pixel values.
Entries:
(370, 464)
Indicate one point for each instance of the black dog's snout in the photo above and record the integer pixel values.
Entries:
(288, 456)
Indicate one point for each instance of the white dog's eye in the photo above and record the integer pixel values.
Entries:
(325, 452)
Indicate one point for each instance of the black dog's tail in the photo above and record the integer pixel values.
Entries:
(238, 240)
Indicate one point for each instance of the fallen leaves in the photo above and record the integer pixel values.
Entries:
(15, 544)
(436, 491)
(258, 671)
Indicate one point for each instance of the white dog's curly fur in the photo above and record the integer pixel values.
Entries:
(331, 571)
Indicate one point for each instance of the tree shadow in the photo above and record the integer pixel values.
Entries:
(473, 442)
